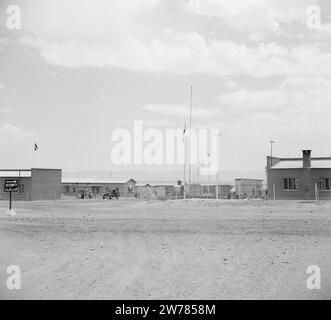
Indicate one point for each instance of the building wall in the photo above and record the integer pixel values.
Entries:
(308, 177)
(249, 188)
(24, 192)
(195, 190)
(98, 189)
(46, 184)
(198, 191)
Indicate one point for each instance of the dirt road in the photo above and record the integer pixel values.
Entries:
(194, 249)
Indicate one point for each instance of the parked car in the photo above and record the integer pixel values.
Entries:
(84, 194)
(111, 194)
(107, 196)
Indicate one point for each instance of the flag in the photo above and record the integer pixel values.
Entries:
(35, 146)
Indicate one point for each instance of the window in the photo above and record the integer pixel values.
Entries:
(291, 184)
(325, 184)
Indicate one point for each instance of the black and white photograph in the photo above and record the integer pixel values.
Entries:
(165, 151)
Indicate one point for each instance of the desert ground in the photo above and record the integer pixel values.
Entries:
(185, 249)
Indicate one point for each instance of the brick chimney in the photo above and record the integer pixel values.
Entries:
(306, 158)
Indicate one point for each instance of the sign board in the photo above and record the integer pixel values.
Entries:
(11, 185)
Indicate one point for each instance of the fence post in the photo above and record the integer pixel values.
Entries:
(317, 197)
(274, 191)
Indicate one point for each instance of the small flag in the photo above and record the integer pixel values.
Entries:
(36, 147)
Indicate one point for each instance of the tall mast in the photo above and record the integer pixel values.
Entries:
(190, 148)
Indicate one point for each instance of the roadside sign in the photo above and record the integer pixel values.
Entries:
(11, 186)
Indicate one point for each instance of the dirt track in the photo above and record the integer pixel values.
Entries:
(166, 250)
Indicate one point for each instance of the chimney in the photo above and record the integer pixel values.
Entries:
(306, 158)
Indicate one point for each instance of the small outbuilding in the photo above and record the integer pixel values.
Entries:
(249, 188)
(305, 178)
(33, 184)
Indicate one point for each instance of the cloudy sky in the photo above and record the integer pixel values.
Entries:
(79, 69)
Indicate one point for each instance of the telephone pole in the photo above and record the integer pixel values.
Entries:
(218, 165)
(190, 144)
(271, 146)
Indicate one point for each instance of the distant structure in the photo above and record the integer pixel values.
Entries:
(303, 178)
(33, 184)
(75, 186)
(168, 191)
(158, 191)
(248, 188)
(209, 191)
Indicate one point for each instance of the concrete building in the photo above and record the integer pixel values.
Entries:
(34, 184)
(248, 188)
(299, 178)
(73, 186)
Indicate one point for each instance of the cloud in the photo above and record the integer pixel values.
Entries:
(91, 21)
(190, 53)
(324, 33)
(251, 15)
(3, 42)
(299, 103)
(151, 123)
(13, 134)
(232, 85)
(5, 110)
(245, 101)
(114, 34)
(180, 110)
(2, 86)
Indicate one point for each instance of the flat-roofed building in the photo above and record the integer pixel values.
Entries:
(33, 184)
(74, 186)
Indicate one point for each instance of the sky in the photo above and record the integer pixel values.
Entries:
(77, 70)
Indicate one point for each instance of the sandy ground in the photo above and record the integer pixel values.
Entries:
(198, 249)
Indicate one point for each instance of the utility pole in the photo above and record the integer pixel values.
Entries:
(218, 164)
(184, 141)
(190, 144)
(271, 145)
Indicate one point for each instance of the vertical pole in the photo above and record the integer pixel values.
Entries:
(10, 199)
(190, 148)
(317, 197)
(271, 151)
(184, 191)
(217, 173)
(218, 165)
(274, 191)
(34, 159)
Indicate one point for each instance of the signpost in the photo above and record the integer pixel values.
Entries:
(11, 186)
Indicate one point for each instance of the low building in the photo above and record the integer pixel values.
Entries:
(303, 178)
(194, 190)
(159, 191)
(74, 186)
(249, 188)
(33, 184)
(209, 191)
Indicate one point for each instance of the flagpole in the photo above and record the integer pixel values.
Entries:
(34, 158)
(184, 141)
(35, 148)
(190, 144)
